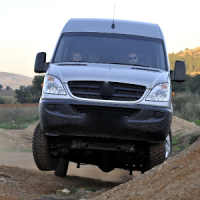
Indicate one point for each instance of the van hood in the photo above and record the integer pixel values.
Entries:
(144, 76)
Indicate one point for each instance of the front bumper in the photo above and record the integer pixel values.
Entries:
(66, 117)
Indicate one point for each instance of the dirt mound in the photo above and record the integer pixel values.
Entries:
(176, 178)
(183, 127)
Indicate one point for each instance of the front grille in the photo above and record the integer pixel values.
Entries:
(122, 91)
(101, 110)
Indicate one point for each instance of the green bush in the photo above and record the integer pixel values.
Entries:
(176, 149)
(72, 190)
(197, 122)
(174, 140)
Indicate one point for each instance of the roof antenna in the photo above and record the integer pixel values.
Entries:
(113, 24)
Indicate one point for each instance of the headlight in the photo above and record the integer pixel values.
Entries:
(52, 85)
(160, 92)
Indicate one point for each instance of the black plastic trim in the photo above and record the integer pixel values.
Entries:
(149, 124)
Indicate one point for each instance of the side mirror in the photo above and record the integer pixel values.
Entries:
(179, 73)
(40, 63)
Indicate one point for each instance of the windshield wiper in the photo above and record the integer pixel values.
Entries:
(130, 64)
(139, 65)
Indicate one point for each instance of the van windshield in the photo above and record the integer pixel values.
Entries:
(110, 48)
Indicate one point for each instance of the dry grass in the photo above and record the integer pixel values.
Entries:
(10, 93)
(18, 113)
(186, 106)
(7, 97)
(24, 105)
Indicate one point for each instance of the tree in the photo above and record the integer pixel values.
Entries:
(8, 88)
(22, 87)
(191, 58)
(21, 95)
(37, 81)
(28, 87)
(1, 87)
(31, 93)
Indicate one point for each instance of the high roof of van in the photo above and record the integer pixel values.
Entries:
(121, 27)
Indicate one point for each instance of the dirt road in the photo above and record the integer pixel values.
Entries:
(26, 181)
(175, 179)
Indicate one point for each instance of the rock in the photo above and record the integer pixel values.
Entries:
(62, 192)
(89, 192)
(2, 180)
(66, 191)
(175, 167)
(55, 197)
(102, 190)
(80, 192)
(13, 122)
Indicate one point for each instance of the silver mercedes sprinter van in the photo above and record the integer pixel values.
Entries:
(106, 98)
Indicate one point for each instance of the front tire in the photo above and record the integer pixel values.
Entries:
(158, 153)
(41, 154)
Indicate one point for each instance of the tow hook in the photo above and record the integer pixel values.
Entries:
(126, 148)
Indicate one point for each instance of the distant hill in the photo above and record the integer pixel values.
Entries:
(14, 80)
(191, 58)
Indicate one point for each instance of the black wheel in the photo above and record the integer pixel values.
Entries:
(62, 168)
(158, 153)
(41, 155)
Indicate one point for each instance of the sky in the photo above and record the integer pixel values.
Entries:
(31, 26)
